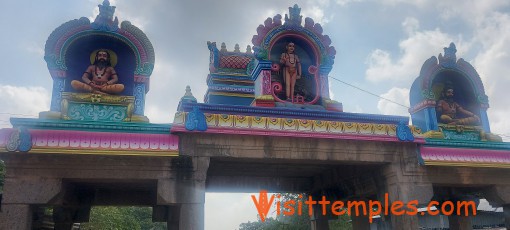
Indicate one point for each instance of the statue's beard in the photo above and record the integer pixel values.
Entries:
(449, 98)
(101, 63)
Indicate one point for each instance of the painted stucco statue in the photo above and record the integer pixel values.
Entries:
(291, 69)
(100, 77)
(450, 112)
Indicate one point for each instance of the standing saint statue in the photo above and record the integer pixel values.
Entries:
(291, 70)
(100, 77)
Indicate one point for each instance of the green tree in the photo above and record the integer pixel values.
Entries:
(342, 223)
(120, 218)
(269, 224)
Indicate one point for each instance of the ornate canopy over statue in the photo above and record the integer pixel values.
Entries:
(293, 62)
(448, 99)
(288, 68)
(74, 51)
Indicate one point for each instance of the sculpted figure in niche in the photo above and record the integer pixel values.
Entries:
(450, 112)
(99, 77)
(291, 69)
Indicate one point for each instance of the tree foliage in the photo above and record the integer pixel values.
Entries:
(120, 218)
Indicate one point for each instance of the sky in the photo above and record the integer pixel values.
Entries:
(381, 46)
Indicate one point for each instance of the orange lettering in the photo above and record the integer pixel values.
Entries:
(412, 206)
(336, 206)
(262, 205)
(324, 202)
(395, 206)
(429, 207)
(466, 205)
(287, 206)
(350, 204)
(371, 212)
(443, 209)
(310, 202)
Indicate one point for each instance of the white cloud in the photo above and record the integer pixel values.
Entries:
(34, 48)
(414, 51)
(417, 3)
(316, 13)
(411, 25)
(163, 85)
(398, 95)
(22, 102)
(345, 2)
(493, 33)
(470, 10)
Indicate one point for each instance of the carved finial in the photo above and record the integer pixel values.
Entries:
(188, 96)
(223, 47)
(449, 59)
(188, 91)
(236, 48)
(248, 49)
(449, 52)
(104, 20)
(211, 45)
(294, 17)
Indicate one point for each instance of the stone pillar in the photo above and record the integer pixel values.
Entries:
(319, 221)
(460, 217)
(359, 217)
(20, 196)
(16, 217)
(192, 217)
(460, 222)
(398, 191)
(172, 217)
(405, 181)
(360, 222)
(506, 213)
(63, 218)
(499, 195)
(185, 195)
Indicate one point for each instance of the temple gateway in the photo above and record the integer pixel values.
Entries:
(267, 123)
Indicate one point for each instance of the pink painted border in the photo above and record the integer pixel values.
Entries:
(457, 155)
(70, 139)
(5, 134)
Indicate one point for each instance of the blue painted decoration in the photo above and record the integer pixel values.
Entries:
(404, 132)
(196, 120)
(56, 96)
(25, 143)
(139, 93)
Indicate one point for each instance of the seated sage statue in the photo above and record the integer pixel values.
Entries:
(99, 77)
(450, 112)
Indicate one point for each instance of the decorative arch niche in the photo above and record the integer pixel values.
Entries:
(68, 49)
(308, 85)
(427, 89)
(78, 59)
(464, 92)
